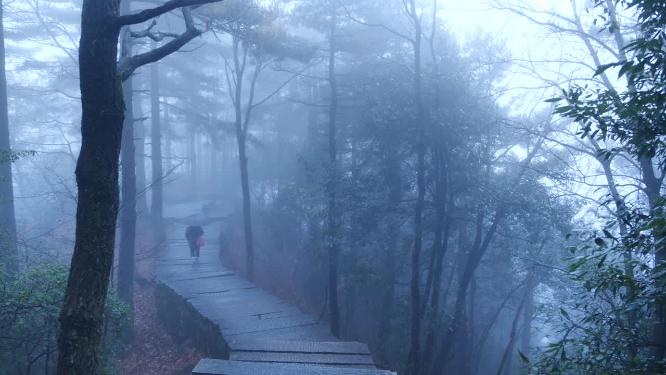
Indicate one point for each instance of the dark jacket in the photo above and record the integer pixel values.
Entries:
(193, 232)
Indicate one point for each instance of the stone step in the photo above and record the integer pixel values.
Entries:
(323, 347)
(222, 367)
(350, 360)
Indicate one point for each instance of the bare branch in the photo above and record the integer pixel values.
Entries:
(552, 26)
(253, 83)
(377, 25)
(148, 14)
(278, 89)
(54, 38)
(154, 35)
(128, 65)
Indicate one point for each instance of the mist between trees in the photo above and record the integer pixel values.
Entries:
(461, 202)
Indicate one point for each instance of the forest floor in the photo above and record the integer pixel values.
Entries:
(154, 351)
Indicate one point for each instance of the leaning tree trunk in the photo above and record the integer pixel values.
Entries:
(82, 313)
(156, 155)
(505, 366)
(126, 249)
(9, 253)
(481, 244)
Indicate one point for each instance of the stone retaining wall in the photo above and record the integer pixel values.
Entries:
(184, 322)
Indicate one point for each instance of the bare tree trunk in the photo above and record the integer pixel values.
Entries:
(512, 335)
(653, 191)
(332, 243)
(140, 155)
(481, 243)
(214, 165)
(82, 313)
(443, 223)
(465, 350)
(528, 315)
(483, 337)
(388, 294)
(241, 125)
(414, 360)
(9, 250)
(126, 249)
(166, 130)
(192, 148)
(620, 215)
(247, 208)
(156, 204)
(100, 79)
(393, 180)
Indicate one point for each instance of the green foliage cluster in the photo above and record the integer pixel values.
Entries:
(29, 308)
(608, 326)
(605, 327)
(635, 117)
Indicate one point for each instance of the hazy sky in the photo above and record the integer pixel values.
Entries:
(524, 40)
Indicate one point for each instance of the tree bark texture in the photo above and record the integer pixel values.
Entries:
(9, 250)
(156, 204)
(477, 251)
(140, 155)
(82, 313)
(126, 250)
(332, 243)
(241, 124)
(414, 360)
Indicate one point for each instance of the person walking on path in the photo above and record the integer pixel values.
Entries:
(194, 237)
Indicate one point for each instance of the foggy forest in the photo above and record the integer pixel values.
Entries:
(332, 187)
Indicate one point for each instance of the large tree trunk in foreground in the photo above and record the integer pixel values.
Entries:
(82, 312)
(9, 251)
(97, 179)
(156, 155)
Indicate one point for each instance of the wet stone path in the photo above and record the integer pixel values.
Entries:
(258, 332)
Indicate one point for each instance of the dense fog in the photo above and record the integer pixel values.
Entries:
(467, 188)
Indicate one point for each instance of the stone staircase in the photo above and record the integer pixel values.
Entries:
(242, 328)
